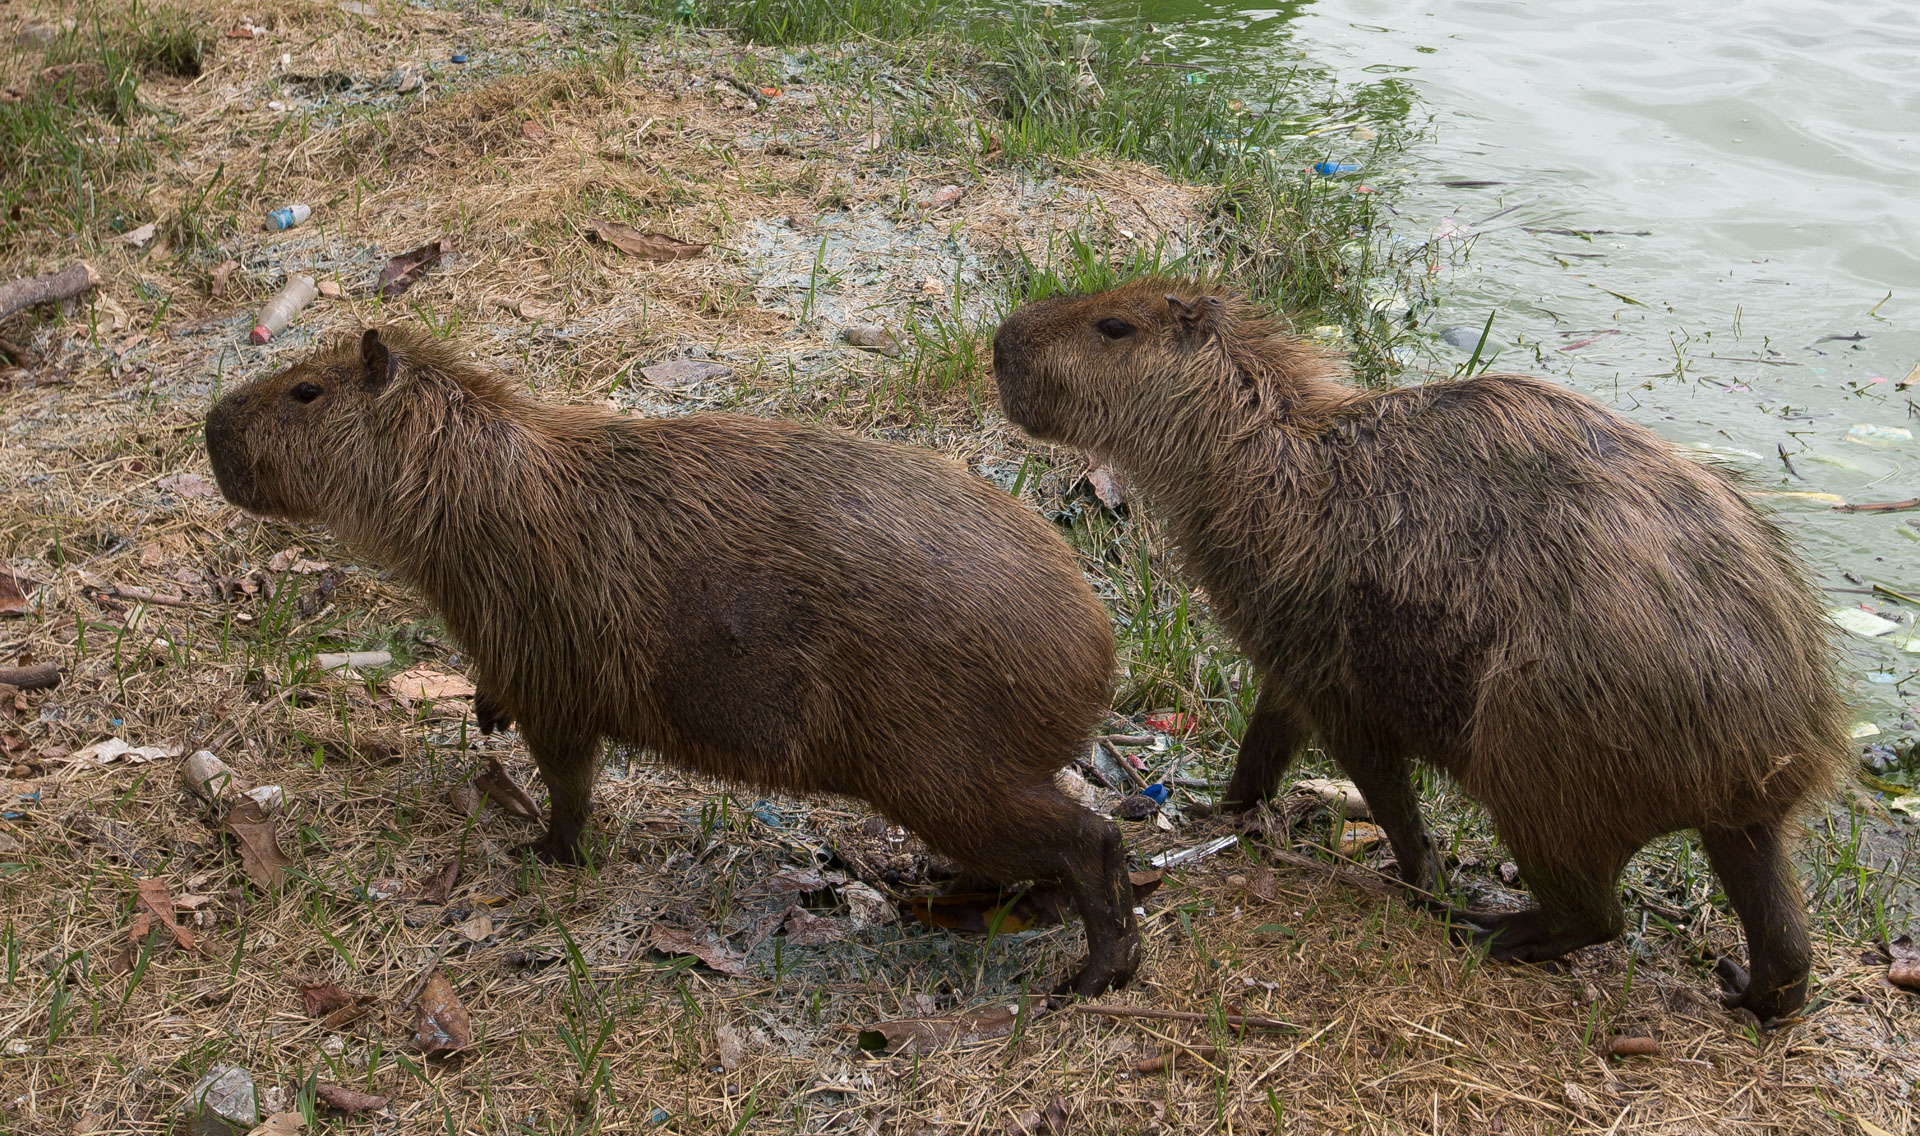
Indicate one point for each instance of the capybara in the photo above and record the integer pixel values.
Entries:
(1598, 639)
(770, 603)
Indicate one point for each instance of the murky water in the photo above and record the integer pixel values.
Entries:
(1708, 218)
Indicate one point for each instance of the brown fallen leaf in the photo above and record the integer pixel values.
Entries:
(323, 998)
(478, 929)
(789, 881)
(156, 900)
(503, 790)
(805, 929)
(647, 246)
(977, 912)
(465, 799)
(1905, 971)
(1052, 1121)
(217, 286)
(404, 271)
(1624, 1046)
(259, 840)
(1145, 883)
(442, 1025)
(1174, 1059)
(348, 1100)
(1260, 884)
(424, 684)
(14, 590)
(908, 1035)
(705, 946)
(188, 485)
(438, 884)
(280, 1124)
(532, 131)
(732, 1047)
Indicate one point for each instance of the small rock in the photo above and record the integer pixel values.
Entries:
(874, 338)
(329, 288)
(222, 1103)
(944, 196)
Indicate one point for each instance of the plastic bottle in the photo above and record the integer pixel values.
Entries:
(286, 303)
(289, 217)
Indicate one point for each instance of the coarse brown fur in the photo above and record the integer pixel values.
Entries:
(765, 602)
(1598, 639)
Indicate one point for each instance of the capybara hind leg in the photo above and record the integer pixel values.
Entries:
(1272, 739)
(1385, 779)
(1758, 878)
(1040, 835)
(567, 766)
(1577, 905)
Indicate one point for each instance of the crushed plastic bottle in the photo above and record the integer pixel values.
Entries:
(1334, 169)
(286, 303)
(288, 217)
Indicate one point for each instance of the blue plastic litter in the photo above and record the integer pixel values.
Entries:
(765, 812)
(459, 57)
(1157, 791)
(659, 1116)
(1331, 169)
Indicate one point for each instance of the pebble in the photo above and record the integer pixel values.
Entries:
(222, 1103)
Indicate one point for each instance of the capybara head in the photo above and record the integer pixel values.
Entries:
(1078, 369)
(323, 440)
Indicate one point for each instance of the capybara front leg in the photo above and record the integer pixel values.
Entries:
(566, 764)
(1385, 779)
(1759, 881)
(1272, 739)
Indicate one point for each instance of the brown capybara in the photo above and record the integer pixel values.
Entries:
(1598, 639)
(763, 602)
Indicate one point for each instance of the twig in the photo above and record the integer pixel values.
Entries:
(147, 596)
(62, 285)
(1882, 589)
(1125, 739)
(1880, 506)
(1204, 1054)
(38, 677)
(1787, 461)
(1245, 1021)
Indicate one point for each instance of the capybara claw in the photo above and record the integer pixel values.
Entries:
(492, 716)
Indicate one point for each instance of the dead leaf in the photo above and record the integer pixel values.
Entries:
(404, 271)
(291, 560)
(790, 881)
(348, 1100)
(106, 751)
(1260, 884)
(977, 912)
(647, 246)
(112, 837)
(242, 31)
(1145, 883)
(14, 589)
(221, 272)
(706, 947)
(732, 1046)
(1356, 836)
(424, 684)
(503, 790)
(259, 841)
(465, 799)
(442, 1025)
(323, 998)
(684, 372)
(805, 929)
(532, 131)
(156, 900)
(1107, 485)
(438, 885)
(188, 485)
(1905, 971)
(137, 237)
(477, 929)
(280, 1124)
(1052, 1122)
(905, 1035)
(1624, 1046)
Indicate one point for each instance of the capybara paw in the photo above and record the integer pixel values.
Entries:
(492, 716)
(552, 850)
(1094, 979)
(1766, 1005)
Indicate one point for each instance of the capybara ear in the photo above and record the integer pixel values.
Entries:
(1197, 318)
(380, 363)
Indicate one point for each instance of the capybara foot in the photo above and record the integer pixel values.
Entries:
(553, 850)
(1095, 978)
(1767, 1005)
(1522, 936)
(492, 716)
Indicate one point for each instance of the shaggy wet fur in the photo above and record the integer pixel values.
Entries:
(763, 602)
(1598, 639)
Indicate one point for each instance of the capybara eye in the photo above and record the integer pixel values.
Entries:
(306, 392)
(1114, 328)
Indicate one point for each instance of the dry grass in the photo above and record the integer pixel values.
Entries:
(580, 1025)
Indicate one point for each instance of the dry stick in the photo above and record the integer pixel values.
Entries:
(1880, 506)
(149, 596)
(62, 285)
(36, 677)
(1245, 1021)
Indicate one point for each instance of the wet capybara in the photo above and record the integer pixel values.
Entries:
(1598, 639)
(770, 603)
